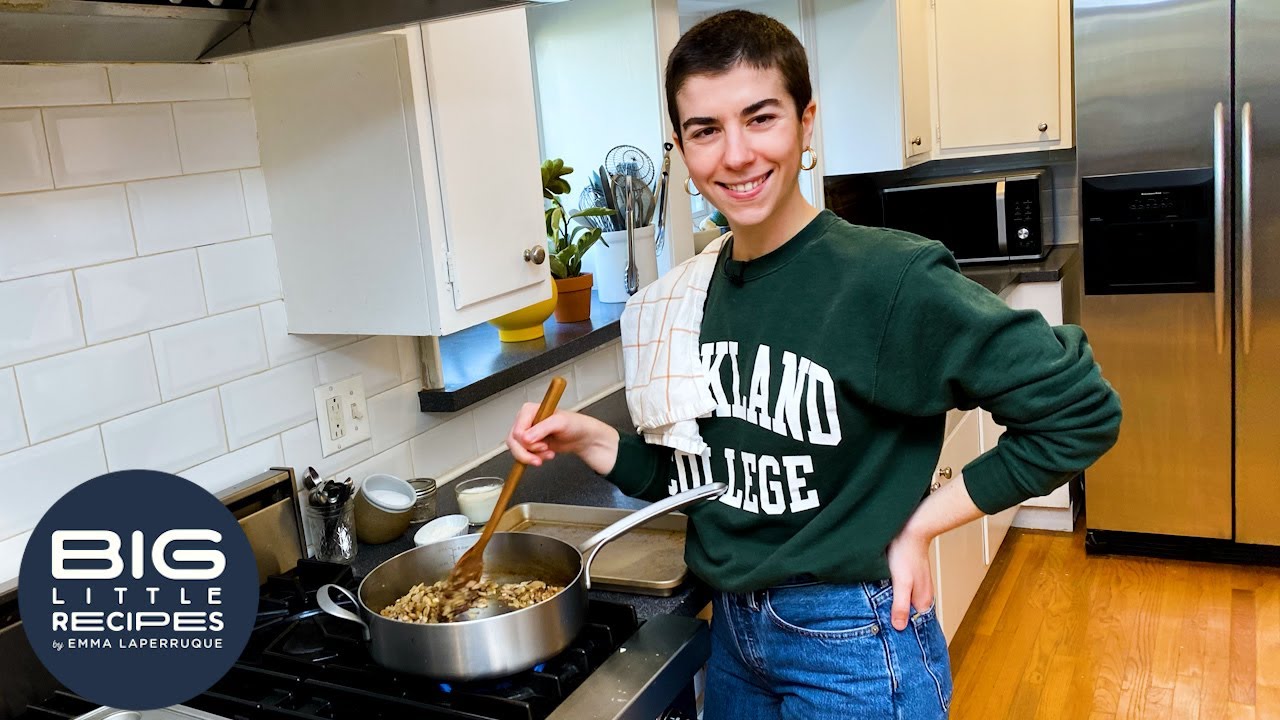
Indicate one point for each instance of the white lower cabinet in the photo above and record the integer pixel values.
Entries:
(995, 526)
(958, 556)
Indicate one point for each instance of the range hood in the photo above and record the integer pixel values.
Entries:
(191, 30)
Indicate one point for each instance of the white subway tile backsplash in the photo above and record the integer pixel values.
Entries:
(285, 348)
(302, 450)
(239, 273)
(377, 359)
(216, 135)
(168, 437)
(13, 433)
(255, 200)
(493, 419)
(1066, 201)
(237, 80)
(160, 82)
(536, 389)
(1067, 229)
(205, 353)
(236, 467)
(39, 316)
(25, 153)
(596, 372)
(394, 416)
(100, 144)
(63, 229)
(407, 347)
(184, 212)
(44, 85)
(134, 296)
(72, 391)
(397, 461)
(34, 478)
(444, 447)
(267, 403)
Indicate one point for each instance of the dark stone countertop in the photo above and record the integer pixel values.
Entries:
(997, 278)
(477, 365)
(565, 480)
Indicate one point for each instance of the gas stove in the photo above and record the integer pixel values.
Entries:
(303, 664)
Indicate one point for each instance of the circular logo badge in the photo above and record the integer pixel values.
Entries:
(138, 590)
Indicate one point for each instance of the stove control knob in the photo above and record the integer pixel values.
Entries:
(1023, 233)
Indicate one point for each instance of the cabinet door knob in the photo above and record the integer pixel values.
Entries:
(945, 472)
(1043, 126)
(933, 486)
(916, 140)
(536, 255)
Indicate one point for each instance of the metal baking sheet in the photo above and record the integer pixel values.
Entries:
(646, 561)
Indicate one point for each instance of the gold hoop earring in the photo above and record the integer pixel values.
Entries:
(688, 184)
(813, 162)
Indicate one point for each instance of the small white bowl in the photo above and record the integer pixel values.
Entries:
(442, 528)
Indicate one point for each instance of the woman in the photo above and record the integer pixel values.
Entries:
(833, 353)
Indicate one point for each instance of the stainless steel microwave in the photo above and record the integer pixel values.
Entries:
(992, 217)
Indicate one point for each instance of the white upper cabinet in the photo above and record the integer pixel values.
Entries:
(871, 62)
(1003, 76)
(402, 172)
(904, 81)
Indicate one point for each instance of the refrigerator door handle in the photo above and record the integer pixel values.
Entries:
(1002, 228)
(1246, 222)
(1219, 223)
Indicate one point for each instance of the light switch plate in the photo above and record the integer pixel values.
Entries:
(343, 413)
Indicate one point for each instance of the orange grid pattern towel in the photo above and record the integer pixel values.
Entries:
(667, 386)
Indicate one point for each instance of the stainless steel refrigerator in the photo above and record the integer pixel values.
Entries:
(1178, 123)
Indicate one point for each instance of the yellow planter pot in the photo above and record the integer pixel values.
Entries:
(525, 323)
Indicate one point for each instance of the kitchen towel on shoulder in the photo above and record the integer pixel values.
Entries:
(667, 388)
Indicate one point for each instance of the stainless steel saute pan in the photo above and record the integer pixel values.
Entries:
(500, 644)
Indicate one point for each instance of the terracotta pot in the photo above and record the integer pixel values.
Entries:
(574, 303)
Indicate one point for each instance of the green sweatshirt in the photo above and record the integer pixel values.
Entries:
(834, 360)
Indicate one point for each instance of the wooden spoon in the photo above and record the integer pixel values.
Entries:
(471, 564)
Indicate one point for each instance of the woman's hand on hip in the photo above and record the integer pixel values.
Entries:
(912, 578)
(594, 441)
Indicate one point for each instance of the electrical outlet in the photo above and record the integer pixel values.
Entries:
(342, 410)
(333, 408)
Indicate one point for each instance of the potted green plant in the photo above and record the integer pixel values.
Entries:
(568, 240)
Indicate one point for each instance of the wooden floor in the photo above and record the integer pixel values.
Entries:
(1054, 633)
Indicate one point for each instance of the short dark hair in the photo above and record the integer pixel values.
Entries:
(724, 40)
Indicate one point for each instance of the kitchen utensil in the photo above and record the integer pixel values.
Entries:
(424, 504)
(645, 561)
(471, 564)
(384, 507)
(332, 527)
(606, 189)
(498, 645)
(625, 207)
(629, 160)
(442, 528)
(660, 235)
(644, 203)
(476, 497)
(309, 478)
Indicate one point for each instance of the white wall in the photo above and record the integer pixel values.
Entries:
(594, 95)
(141, 324)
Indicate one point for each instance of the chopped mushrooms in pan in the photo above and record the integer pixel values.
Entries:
(435, 603)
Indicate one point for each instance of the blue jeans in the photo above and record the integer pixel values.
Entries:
(811, 651)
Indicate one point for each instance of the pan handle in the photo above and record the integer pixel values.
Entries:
(642, 516)
(328, 605)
